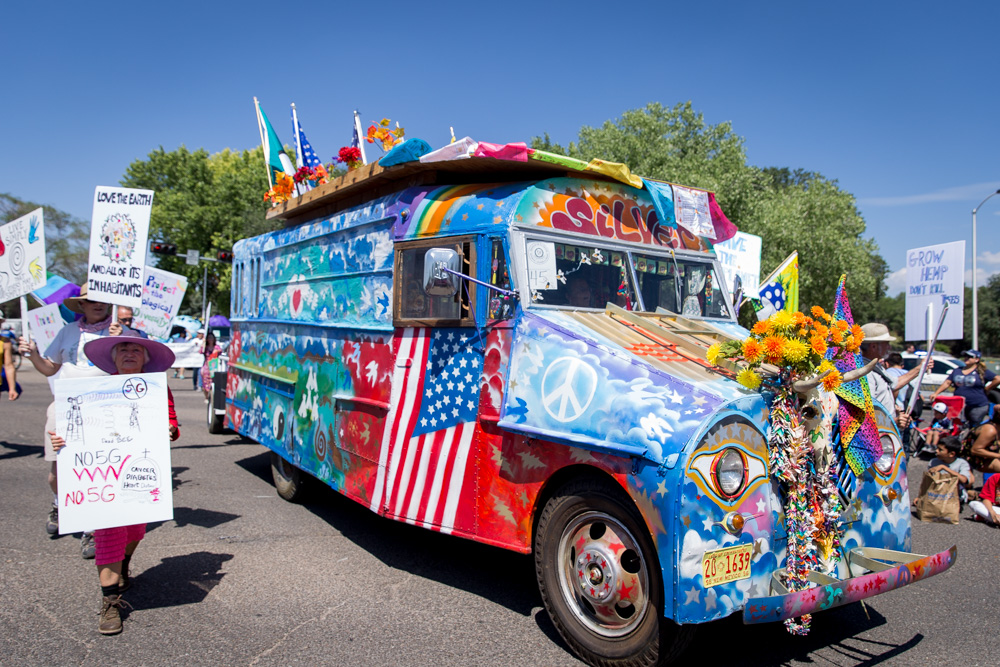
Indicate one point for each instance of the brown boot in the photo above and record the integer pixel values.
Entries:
(111, 619)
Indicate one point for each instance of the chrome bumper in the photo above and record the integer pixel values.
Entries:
(886, 570)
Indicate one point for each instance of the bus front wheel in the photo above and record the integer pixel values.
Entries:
(600, 580)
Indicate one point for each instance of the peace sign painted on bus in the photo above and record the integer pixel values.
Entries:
(568, 387)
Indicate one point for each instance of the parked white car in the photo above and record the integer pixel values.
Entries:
(944, 364)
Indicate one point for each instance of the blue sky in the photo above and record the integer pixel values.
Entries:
(897, 101)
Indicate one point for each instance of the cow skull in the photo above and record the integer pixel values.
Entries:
(818, 408)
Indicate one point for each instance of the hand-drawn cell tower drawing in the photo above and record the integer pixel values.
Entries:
(133, 420)
(74, 417)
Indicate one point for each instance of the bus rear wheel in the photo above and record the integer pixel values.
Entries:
(600, 580)
(289, 481)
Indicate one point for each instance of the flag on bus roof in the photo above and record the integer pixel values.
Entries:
(304, 155)
(356, 141)
(274, 152)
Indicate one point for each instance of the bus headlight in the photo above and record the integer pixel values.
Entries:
(730, 472)
(884, 463)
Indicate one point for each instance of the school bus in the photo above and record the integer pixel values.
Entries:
(510, 348)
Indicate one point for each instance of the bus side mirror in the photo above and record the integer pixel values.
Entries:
(437, 281)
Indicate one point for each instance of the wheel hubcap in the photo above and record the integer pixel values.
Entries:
(602, 575)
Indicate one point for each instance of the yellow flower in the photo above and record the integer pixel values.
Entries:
(752, 350)
(713, 354)
(782, 319)
(748, 379)
(774, 348)
(795, 350)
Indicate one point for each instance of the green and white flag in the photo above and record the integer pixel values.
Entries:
(274, 152)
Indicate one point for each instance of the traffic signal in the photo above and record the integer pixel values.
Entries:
(163, 248)
(224, 256)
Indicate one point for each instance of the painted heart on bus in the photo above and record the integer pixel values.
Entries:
(296, 303)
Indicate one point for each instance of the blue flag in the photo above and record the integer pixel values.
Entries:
(306, 156)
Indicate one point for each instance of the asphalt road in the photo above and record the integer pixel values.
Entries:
(241, 577)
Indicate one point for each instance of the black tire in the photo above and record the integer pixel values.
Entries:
(620, 630)
(289, 481)
(216, 423)
(993, 396)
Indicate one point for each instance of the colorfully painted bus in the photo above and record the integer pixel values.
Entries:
(510, 348)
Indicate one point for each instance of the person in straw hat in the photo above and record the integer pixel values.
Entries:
(884, 387)
(65, 358)
(122, 355)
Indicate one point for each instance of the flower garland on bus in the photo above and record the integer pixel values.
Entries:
(798, 346)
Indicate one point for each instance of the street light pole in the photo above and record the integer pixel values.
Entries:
(975, 288)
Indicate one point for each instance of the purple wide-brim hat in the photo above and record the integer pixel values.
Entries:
(98, 351)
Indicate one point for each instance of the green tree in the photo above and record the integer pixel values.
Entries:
(206, 203)
(791, 209)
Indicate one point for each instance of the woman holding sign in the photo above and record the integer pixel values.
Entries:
(65, 355)
(122, 355)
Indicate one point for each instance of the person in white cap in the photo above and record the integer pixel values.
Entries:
(940, 425)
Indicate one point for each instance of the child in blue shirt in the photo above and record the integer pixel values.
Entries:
(940, 426)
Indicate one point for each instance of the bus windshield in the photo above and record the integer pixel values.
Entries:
(583, 275)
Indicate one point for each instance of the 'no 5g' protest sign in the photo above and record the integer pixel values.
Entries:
(115, 467)
(119, 234)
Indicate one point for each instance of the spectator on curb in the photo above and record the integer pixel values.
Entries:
(986, 506)
(984, 454)
(940, 426)
(948, 460)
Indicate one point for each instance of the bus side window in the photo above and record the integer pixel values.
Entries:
(414, 307)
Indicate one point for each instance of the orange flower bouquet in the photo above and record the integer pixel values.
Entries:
(793, 342)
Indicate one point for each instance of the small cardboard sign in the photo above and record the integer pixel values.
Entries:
(115, 468)
(44, 323)
(162, 293)
(542, 265)
(119, 234)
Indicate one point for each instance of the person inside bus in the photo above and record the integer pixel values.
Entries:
(579, 293)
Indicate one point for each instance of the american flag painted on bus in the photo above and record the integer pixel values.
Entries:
(424, 454)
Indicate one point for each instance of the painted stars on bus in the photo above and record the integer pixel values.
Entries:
(451, 382)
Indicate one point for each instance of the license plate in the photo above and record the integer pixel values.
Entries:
(724, 565)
